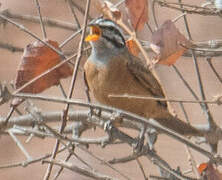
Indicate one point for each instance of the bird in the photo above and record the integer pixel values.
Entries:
(112, 70)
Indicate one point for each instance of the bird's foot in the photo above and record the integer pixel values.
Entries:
(116, 119)
(108, 125)
(139, 141)
(152, 137)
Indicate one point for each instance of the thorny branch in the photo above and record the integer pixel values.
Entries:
(83, 171)
(131, 117)
(191, 9)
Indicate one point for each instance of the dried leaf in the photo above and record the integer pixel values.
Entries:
(109, 10)
(171, 43)
(138, 13)
(38, 58)
(132, 47)
(202, 167)
(209, 172)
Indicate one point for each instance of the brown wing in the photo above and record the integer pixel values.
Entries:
(145, 77)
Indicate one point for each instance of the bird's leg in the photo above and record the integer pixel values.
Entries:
(94, 112)
(152, 137)
(108, 126)
(117, 119)
(115, 133)
(114, 121)
(140, 140)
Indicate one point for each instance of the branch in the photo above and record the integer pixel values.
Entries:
(11, 47)
(190, 9)
(150, 122)
(79, 170)
(28, 162)
(217, 100)
(46, 21)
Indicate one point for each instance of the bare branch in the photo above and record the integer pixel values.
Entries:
(35, 19)
(83, 171)
(130, 96)
(29, 161)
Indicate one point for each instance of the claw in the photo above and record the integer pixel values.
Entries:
(108, 126)
(138, 146)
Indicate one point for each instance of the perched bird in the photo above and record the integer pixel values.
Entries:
(111, 69)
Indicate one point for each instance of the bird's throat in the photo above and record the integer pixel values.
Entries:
(101, 56)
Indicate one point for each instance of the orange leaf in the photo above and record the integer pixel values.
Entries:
(38, 58)
(170, 42)
(202, 167)
(138, 13)
(132, 47)
(209, 172)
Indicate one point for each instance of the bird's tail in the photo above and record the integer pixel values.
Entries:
(178, 125)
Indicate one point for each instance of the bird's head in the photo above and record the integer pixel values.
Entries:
(105, 36)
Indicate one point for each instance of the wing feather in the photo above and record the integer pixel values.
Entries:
(146, 78)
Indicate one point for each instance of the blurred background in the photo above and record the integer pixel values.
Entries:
(202, 28)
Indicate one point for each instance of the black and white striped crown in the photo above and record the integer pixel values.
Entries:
(110, 31)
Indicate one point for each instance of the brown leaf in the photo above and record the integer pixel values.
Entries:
(171, 43)
(209, 172)
(132, 47)
(109, 10)
(138, 13)
(38, 58)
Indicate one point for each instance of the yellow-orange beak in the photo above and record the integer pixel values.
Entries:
(95, 33)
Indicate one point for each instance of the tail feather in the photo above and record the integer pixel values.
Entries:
(178, 126)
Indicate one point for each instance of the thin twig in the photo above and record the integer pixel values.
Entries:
(80, 9)
(21, 27)
(191, 9)
(61, 168)
(35, 19)
(19, 144)
(12, 109)
(178, 17)
(64, 118)
(41, 21)
(190, 155)
(214, 70)
(70, 38)
(29, 161)
(130, 96)
(88, 173)
(192, 162)
(141, 168)
(74, 13)
(170, 171)
(62, 90)
(103, 162)
(11, 47)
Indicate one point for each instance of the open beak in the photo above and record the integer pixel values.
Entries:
(95, 33)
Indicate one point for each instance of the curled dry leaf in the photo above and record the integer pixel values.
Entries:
(132, 47)
(38, 58)
(171, 43)
(138, 13)
(109, 10)
(209, 172)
